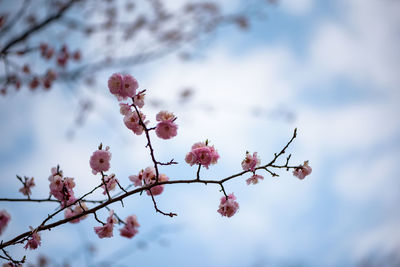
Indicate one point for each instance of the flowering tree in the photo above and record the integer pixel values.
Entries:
(148, 180)
(58, 33)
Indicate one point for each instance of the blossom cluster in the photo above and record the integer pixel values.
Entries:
(78, 209)
(61, 187)
(129, 230)
(34, 240)
(148, 177)
(228, 205)
(124, 87)
(202, 153)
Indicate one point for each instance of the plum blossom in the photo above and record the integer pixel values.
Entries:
(148, 177)
(158, 189)
(4, 219)
(62, 188)
(122, 86)
(115, 83)
(34, 240)
(165, 116)
(100, 160)
(203, 154)
(78, 209)
(302, 171)
(228, 207)
(107, 229)
(111, 182)
(166, 128)
(124, 108)
(130, 228)
(132, 121)
(254, 179)
(138, 99)
(250, 162)
(28, 184)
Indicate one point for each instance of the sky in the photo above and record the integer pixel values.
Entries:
(329, 68)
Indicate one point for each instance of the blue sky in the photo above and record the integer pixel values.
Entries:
(333, 65)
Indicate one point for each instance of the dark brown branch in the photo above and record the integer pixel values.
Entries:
(43, 227)
(43, 200)
(158, 210)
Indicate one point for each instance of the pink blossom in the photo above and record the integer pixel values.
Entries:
(26, 189)
(4, 219)
(62, 188)
(107, 229)
(111, 182)
(148, 177)
(228, 207)
(100, 161)
(78, 209)
(302, 171)
(138, 100)
(166, 129)
(158, 189)
(115, 83)
(254, 179)
(190, 158)
(137, 179)
(132, 122)
(34, 240)
(129, 87)
(250, 162)
(165, 116)
(130, 228)
(124, 108)
(202, 154)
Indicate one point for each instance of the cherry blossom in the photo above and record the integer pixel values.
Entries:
(250, 162)
(302, 171)
(28, 184)
(203, 154)
(124, 108)
(122, 86)
(132, 122)
(111, 182)
(254, 179)
(107, 229)
(228, 207)
(100, 160)
(78, 209)
(34, 240)
(166, 128)
(138, 99)
(62, 188)
(148, 177)
(130, 228)
(4, 219)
